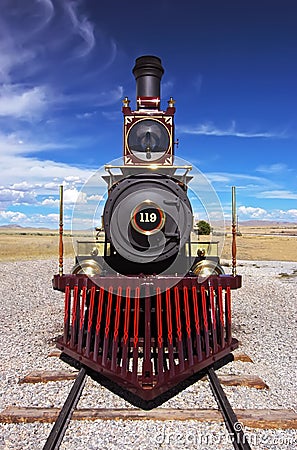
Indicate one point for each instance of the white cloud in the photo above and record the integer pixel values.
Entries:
(17, 143)
(35, 220)
(82, 27)
(109, 97)
(252, 212)
(72, 196)
(12, 217)
(72, 178)
(244, 181)
(219, 177)
(273, 168)
(23, 186)
(167, 88)
(112, 115)
(209, 129)
(34, 39)
(32, 172)
(258, 213)
(25, 179)
(86, 115)
(51, 186)
(292, 213)
(285, 194)
(53, 218)
(8, 195)
(96, 198)
(50, 202)
(19, 102)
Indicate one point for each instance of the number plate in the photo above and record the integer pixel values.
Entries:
(148, 218)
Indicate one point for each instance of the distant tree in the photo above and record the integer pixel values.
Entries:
(203, 227)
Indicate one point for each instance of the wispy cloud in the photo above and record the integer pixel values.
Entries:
(24, 23)
(86, 115)
(242, 180)
(20, 143)
(112, 115)
(167, 88)
(284, 194)
(198, 83)
(47, 76)
(35, 75)
(209, 129)
(81, 27)
(272, 168)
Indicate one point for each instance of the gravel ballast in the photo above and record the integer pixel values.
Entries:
(264, 321)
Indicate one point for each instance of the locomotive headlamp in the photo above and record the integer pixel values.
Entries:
(205, 268)
(88, 267)
(148, 140)
(148, 218)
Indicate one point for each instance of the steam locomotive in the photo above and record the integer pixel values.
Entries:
(147, 310)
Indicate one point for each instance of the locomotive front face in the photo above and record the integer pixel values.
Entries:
(146, 308)
(148, 220)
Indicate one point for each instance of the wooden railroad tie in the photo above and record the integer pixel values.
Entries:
(242, 357)
(254, 418)
(43, 376)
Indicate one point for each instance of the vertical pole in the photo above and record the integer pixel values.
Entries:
(233, 231)
(61, 233)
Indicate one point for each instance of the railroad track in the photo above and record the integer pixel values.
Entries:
(57, 433)
(233, 419)
(237, 435)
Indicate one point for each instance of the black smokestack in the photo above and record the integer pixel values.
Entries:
(148, 72)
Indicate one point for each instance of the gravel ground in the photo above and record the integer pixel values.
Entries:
(264, 318)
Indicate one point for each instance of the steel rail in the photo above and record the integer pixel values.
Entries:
(234, 427)
(58, 431)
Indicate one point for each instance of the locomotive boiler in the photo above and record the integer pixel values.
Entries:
(147, 309)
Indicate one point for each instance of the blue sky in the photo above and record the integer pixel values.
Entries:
(65, 67)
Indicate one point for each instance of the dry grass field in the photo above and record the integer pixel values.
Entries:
(262, 248)
(255, 243)
(22, 244)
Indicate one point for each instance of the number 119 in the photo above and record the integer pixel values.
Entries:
(146, 217)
